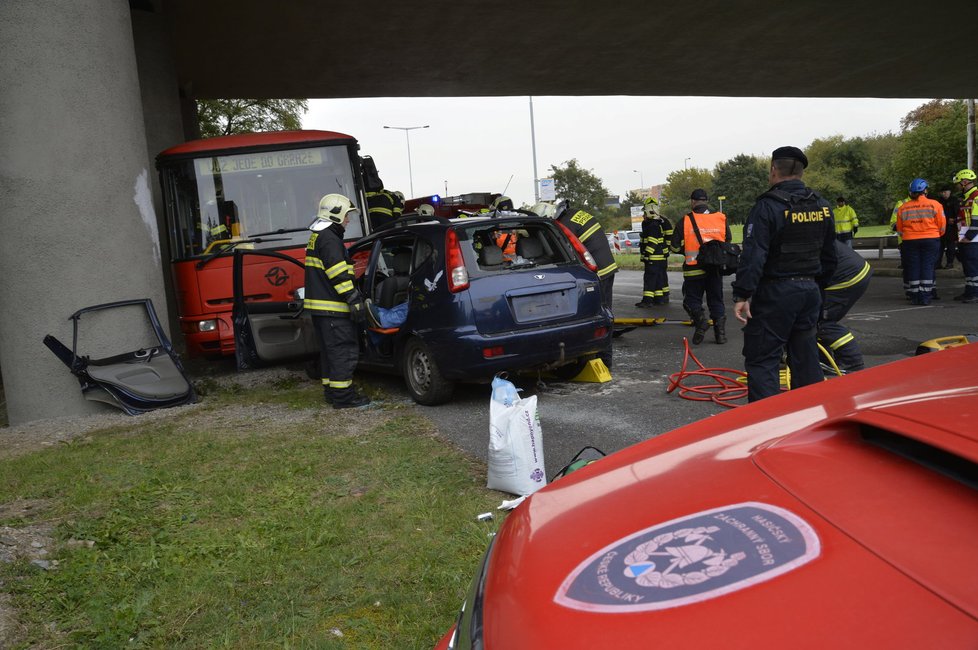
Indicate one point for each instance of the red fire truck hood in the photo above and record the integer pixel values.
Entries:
(827, 517)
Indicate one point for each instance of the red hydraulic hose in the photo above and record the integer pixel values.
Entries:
(725, 387)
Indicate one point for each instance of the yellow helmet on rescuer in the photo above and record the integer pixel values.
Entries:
(333, 208)
(964, 175)
(650, 206)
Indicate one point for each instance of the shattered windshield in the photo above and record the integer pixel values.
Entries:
(215, 203)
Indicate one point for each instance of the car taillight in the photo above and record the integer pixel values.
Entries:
(489, 353)
(582, 252)
(600, 332)
(458, 277)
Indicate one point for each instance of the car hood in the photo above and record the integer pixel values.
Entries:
(785, 522)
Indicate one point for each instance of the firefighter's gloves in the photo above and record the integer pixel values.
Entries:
(364, 312)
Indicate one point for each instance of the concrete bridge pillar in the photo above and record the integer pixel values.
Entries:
(77, 223)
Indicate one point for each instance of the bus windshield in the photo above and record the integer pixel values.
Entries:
(215, 203)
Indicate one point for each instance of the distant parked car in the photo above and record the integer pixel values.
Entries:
(626, 241)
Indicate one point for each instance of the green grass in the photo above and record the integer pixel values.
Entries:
(235, 526)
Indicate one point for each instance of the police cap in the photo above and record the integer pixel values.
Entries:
(791, 153)
(698, 195)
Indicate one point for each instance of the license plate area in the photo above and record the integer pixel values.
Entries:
(542, 306)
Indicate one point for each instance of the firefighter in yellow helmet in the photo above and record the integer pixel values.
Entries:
(588, 230)
(654, 249)
(332, 298)
(968, 242)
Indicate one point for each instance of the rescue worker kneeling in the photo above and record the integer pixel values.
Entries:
(848, 284)
(334, 302)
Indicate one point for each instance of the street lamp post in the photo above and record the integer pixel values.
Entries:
(641, 178)
(407, 135)
(721, 198)
(686, 163)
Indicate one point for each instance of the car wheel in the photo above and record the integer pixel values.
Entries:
(422, 376)
(570, 370)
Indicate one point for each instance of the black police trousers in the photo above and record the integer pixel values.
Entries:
(833, 335)
(338, 351)
(710, 284)
(784, 315)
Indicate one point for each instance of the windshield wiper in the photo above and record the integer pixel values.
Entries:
(230, 246)
(280, 231)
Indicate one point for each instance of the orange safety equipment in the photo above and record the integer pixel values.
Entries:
(712, 226)
(920, 218)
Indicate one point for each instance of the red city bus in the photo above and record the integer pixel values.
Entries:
(255, 191)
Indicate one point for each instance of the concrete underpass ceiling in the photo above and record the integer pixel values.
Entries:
(309, 48)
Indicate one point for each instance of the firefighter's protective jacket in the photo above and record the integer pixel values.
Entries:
(968, 216)
(329, 274)
(656, 233)
(588, 229)
(381, 207)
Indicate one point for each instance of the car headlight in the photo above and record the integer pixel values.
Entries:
(206, 325)
(468, 627)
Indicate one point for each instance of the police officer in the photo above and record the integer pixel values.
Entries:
(968, 242)
(846, 221)
(788, 254)
(590, 233)
(334, 302)
(696, 279)
(847, 285)
(654, 248)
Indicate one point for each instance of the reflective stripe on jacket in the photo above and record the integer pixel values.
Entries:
(920, 218)
(329, 273)
(845, 219)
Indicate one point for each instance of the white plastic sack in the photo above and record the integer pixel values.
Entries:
(515, 441)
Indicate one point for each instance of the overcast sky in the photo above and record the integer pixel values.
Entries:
(477, 144)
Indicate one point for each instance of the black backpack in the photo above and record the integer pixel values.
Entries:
(720, 255)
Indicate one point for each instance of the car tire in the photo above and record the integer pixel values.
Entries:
(421, 375)
(568, 371)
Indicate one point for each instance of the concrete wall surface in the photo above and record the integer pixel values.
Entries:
(76, 212)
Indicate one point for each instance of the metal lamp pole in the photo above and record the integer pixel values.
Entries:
(641, 178)
(686, 163)
(407, 135)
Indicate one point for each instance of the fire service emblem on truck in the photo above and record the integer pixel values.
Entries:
(691, 559)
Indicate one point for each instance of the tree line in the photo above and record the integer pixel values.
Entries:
(871, 172)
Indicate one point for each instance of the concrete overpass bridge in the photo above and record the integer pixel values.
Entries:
(91, 90)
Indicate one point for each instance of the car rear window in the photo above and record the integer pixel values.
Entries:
(496, 246)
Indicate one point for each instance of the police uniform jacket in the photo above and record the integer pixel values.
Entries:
(588, 229)
(329, 274)
(656, 232)
(785, 239)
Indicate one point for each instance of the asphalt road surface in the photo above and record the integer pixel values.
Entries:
(635, 405)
